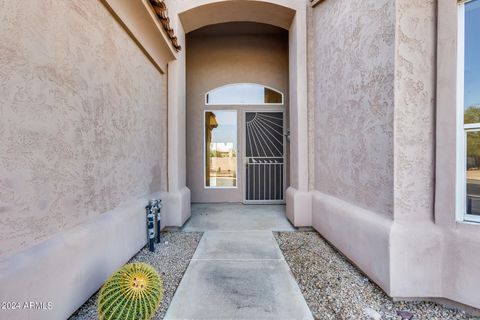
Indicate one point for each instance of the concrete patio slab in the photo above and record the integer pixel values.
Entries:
(222, 289)
(237, 217)
(238, 245)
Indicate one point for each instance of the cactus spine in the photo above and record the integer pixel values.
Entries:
(133, 292)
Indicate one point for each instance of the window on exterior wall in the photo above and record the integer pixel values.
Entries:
(469, 111)
(220, 149)
(244, 94)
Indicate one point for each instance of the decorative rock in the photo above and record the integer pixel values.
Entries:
(374, 315)
(317, 267)
(170, 261)
(405, 315)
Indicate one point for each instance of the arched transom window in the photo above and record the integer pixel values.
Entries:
(244, 94)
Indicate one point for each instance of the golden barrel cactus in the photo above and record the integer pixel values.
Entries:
(133, 292)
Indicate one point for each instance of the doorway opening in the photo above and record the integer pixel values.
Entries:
(237, 113)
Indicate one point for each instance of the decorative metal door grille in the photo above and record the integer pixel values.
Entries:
(264, 156)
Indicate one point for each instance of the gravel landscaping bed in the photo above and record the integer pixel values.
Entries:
(335, 289)
(171, 259)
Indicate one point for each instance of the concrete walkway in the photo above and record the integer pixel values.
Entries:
(238, 270)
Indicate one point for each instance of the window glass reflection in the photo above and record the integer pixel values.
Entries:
(221, 149)
(473, 172)
(244, 93)
(472, 62)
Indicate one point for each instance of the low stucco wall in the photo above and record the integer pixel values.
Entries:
(65, 270)
(82, 119)
(361, 235)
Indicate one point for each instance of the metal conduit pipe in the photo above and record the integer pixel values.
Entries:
(153, 222)
(150, 210)
(158, 208)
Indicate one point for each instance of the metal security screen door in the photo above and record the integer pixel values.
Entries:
(264, 157)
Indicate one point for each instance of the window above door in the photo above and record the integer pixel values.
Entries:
(244, 94)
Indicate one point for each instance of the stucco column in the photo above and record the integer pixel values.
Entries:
(298, 198)
(414, 236)
(178, 210)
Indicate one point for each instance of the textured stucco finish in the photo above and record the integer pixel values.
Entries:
(376, 148)
(432, 254)
(82, 119)
(414, 142)
(351, 100)
(254, 11)
(461, 240)
(78, 96)
(275, 12)
(354, 104)
(70, 267)
(414, 236)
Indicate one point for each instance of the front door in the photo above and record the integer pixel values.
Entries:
(264, 157)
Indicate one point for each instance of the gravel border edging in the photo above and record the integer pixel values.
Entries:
(335, 289)
(171, 259)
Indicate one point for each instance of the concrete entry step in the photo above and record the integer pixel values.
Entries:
(238, 275)
(237, 217)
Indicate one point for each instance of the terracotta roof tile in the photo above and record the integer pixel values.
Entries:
(161, 10)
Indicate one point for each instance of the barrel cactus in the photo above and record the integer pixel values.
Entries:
(132, 293)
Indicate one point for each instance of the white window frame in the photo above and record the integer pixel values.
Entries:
(246, 103)
(462, 128)
(205, 148)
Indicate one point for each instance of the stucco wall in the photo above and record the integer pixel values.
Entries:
(415, 76)
(82, 119)
(414, 236)
(380, 94)
(219, 57)
(353, 57)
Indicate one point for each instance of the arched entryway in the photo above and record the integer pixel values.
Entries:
(290, 15)
(237, 113)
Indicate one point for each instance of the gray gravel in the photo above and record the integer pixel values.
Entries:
(335, 289)
(171, 259)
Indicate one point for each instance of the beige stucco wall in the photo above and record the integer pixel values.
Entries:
(415, 88)
(353, 44)
(414, 236)
(433, 252)
(82, 119)
(351, 98)
(457, 243)
(214, 60)
(198, 13)
(384, 134)
(73, 142)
